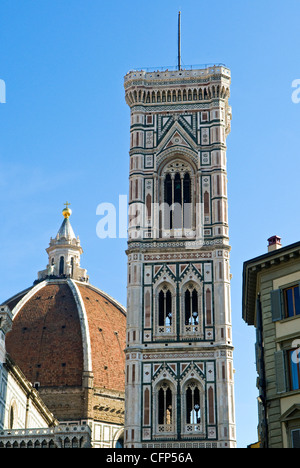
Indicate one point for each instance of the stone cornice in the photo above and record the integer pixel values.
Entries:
(257, 265)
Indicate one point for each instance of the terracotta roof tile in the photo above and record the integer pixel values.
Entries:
(46, 339)
(107, 326)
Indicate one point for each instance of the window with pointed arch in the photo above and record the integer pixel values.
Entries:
(193, 416)
(165, 408)
(12, 417)
(165, 317)
(72, 266)
(191, 310)
(176, 199)
(61, 266)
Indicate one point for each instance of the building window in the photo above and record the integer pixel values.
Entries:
(191, 317)
(191, 313)
(193, 415)
(165, 315)
(294, 369)
(165, 409)
(292, 301)
(177, 199)
(295, 435)
(61, 266)
(285, 303)
(193, 411)
(120, 442)
(12, 416)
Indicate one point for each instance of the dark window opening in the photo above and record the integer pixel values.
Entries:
(165, 310)
(61, 266)
(191, 307)
(177, 198)
(165, 416)
(292, 301)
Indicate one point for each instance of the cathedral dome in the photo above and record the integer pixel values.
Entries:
(68, 337)
(64, 330)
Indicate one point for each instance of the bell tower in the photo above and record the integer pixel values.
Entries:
(179, 353)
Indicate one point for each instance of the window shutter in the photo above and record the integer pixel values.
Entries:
(280, 372)
(276, 305)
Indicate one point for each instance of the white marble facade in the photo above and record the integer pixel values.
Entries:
(179, 354)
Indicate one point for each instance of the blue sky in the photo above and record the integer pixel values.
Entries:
(64, 132)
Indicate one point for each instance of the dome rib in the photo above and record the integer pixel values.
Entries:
(107, 324)
(69, 333)
(86, 340)
(46, 337)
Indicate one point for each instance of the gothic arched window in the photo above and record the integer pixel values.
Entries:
(193, 412)
(11, 417)
(120, 442)
(191, 313)
(61, 266)
(177, 196)
(165, 315)
(165, 410)
(191, 308)
(72, 267)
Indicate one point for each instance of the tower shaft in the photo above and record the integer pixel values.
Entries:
(179, 353)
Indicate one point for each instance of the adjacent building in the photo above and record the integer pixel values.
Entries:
(271, 303)
(179, 353)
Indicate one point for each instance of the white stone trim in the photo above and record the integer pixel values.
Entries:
(86, 341)
(28, 296)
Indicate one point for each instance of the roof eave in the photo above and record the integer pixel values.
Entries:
(250, 270)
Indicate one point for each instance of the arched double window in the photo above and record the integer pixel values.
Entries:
(193, 417)
(165, 408)
(193, 410)
(191, 310)
(165, 311)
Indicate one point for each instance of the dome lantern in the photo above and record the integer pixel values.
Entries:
(64, 253)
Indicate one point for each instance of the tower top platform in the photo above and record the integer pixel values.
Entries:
(192, 71)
